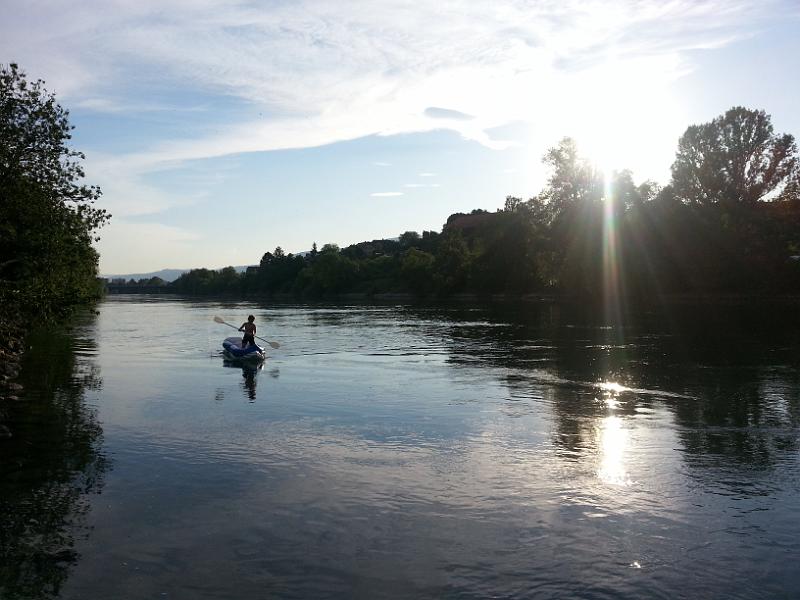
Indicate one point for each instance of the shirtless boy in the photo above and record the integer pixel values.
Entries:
(249, 329)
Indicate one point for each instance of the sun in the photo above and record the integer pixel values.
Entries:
(630, 120)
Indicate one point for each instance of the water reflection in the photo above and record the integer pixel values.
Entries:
(50, 468)
(502, 451)
(250, 373)
(613, 443)
(730, 375)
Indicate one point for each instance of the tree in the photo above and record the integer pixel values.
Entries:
(47, 217)
(626, 194)
(276, 272)
(512, 204)
(735, 159)
(452, 264)
(574, 180)
(417, 270)
(331, 272)
(409, 239)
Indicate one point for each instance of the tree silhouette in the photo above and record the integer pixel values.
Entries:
(735, 158)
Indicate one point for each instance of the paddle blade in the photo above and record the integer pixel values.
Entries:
(275, 345)
(218, 320)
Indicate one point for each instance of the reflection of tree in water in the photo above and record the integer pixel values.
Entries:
(743, 362)
(49, 468)
(750, 417)
(736, 365)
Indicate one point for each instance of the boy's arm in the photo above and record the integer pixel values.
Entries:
(242, 327)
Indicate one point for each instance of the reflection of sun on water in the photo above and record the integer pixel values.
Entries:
(613, 443)
(612, 387)
(613, 440)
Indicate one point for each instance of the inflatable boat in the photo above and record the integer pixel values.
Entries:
(232, 348)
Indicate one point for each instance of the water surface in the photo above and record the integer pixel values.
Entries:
(515, 450)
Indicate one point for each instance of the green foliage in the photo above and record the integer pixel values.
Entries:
(331, 272)
(417, 270)
(452, 263)
(47, 217)
(277, 272)
(208, 281)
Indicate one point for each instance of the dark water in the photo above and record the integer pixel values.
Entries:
(520, 450)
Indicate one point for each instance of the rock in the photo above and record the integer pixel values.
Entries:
(10, 369)
(14, 387)
(5, 432)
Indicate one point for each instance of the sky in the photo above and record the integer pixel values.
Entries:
(220, 130)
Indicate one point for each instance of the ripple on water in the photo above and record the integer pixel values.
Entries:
(433, 452)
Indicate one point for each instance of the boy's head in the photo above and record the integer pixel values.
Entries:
(251, 318)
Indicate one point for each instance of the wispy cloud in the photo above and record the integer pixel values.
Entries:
(115, 106)
(322, 72)
(385, 194)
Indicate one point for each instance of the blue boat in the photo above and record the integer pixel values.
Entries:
(232, 348)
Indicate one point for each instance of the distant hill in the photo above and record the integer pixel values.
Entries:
(168, 275)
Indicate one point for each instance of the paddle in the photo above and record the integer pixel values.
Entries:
(275, 345)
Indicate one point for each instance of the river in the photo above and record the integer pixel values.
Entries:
(511, 450)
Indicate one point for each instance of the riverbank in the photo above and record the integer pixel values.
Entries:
(12, 346)
(726, 299)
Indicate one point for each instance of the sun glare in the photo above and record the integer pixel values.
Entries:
(613, 440)
(612, 387)
(631, 122)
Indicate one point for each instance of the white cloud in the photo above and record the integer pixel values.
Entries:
(114, 106)
(327, 72)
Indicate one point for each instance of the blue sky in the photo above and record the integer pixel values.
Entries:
(220, 130)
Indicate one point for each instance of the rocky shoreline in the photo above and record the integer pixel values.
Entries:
(12, 346)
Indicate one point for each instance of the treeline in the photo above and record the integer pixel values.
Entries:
(727, 222)
(141, 282)
(48, 220)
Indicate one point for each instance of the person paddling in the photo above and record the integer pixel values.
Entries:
(249, 329)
